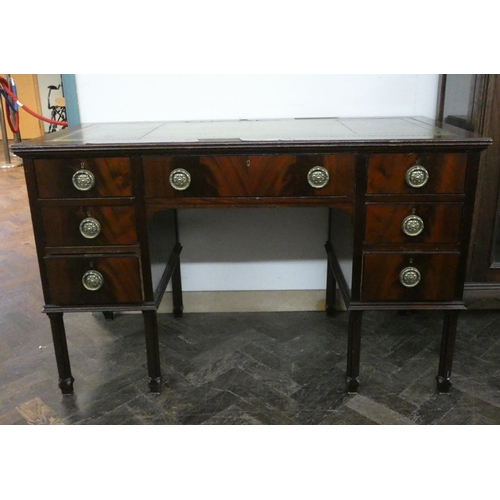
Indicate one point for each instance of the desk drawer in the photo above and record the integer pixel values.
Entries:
(249, 176)
(95, 177)
(108, 280)
(428, 277)
(84, 226)
(417, 174)
(413, 223)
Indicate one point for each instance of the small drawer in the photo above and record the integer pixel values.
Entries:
(249, 176)
(85, 226)
(94, 280)
(410, 277)
(83, 177)
(413, 223)
(417, 174)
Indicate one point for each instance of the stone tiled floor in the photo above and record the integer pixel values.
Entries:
(252, 368)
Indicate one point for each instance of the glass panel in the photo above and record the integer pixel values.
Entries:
(459, 100)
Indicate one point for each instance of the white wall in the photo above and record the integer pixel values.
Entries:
(253, 249)
(104, 98)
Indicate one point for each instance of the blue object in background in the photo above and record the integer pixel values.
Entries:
(71, 98)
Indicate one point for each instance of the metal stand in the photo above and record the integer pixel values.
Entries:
(9, 159)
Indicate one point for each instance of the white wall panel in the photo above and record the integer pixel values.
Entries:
(111, 98)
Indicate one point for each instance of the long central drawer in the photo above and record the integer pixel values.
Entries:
(249, 176)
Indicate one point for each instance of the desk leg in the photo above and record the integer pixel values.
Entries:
(331, 286)
(446, 351)
(177, 291)
(353, 351)
(108, 315)
(152, 350)
(61, 349)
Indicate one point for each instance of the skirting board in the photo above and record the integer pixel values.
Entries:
(482, 295)
(476, 297)
(251, 301)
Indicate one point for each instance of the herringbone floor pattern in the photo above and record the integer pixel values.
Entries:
(252, 368)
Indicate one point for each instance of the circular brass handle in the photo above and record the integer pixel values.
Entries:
(180, 179)
(318, 177)
(410, 277)
(412, 225)
(90, 228)
(93, 280)
(83, 180)
(417, 176)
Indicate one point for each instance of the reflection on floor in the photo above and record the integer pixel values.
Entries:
(7, 158)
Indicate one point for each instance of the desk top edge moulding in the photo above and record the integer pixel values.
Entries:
(104, 199)
(331, 132)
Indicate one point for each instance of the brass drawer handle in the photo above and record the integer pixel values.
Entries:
(417, 176)
(90, 228)
(180, 179)
(83, 180)
(410, 277)
(412, 225)
(318, 177)
(93, 280)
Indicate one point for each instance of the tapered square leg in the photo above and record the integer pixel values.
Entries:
(152, 350)
(331, 286)
(61, 350)
(108, 315)
(177, 291)
(446, 351)
(353, 351)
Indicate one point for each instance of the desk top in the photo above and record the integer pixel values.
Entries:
(239, 134)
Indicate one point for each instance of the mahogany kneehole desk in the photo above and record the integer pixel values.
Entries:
(400, 193)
